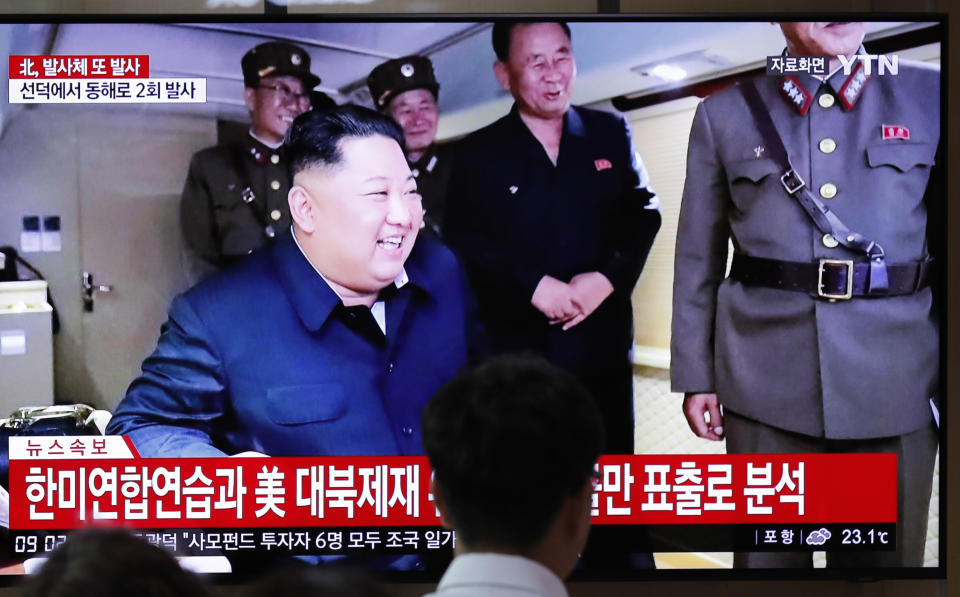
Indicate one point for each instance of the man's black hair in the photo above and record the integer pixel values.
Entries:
(502, 31)
(314, 137)
(509, 441)
(112, 563)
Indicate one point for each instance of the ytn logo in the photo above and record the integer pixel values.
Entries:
(885, 64)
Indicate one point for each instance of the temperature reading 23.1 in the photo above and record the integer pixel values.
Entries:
(870, 537)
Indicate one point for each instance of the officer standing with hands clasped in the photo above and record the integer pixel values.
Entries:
(235, 198)
(407, 90)
(824, 336)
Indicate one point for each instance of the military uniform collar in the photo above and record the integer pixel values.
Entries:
(263, 142)
(259, 151)
(313, 299)
(849, 88)
(799, 89)
(427, 162)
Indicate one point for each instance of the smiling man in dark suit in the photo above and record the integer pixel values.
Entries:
(330, 341)
(552, 212)
(553, 216)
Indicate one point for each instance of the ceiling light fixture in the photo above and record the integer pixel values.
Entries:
(668, 72)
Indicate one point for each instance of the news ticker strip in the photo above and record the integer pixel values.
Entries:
(296, 541)
(771, 537)
(403, 540)
(70, 482)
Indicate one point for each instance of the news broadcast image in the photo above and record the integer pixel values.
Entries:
(761, 205)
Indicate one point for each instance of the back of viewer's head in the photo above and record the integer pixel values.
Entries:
(112, 563)
(509, 442)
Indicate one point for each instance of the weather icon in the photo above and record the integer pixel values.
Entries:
(818, 537)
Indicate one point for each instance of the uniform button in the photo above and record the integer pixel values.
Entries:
(390, 368)
(415, 172)
(826, 100)
(828, 190)
(274, 159)
(275, 185)
(828, 145)
(408, 431)
(830, 242)
(275, 215)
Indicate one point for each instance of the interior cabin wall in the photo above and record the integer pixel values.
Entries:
(114, 175)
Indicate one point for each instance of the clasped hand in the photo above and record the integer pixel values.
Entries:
(569, 303)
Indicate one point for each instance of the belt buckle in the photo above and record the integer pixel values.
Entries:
(792, 181)
(847, 263)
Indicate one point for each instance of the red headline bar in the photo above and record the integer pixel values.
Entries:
(747, 488)
(65, 492)
(80, 67)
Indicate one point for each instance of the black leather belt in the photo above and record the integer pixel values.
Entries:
(833, 279)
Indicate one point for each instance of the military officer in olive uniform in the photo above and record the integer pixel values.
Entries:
(407, 89)
(809, 345)
(235, 198)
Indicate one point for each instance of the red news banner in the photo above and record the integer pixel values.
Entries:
(70, 482)
(79, 67)
(95, 79)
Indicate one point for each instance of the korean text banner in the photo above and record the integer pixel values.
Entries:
(71, 482)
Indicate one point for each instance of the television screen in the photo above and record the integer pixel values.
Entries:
(748, 216)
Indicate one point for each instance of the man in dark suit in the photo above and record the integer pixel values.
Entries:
(552, 214)
(809, 344)
(235, 197)
(330, 341)
(553, 217)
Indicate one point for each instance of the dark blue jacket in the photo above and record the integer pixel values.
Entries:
(259, 358)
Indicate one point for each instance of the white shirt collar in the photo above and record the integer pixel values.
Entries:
(499, 574)
(378, 309)
(400, 281)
